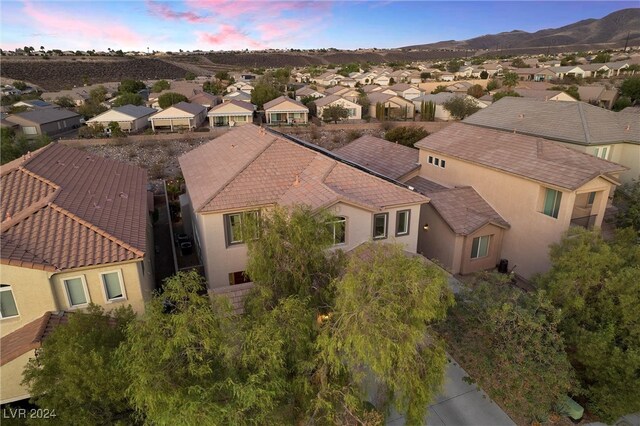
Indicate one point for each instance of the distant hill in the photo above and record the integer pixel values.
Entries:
(610, 31)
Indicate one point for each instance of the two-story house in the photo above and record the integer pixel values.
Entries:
(75, 230)
(250, 169)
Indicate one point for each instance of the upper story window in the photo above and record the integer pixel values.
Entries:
(76, 289)
(435, 161)
(234, 223)
(380, 222)
(551, 206)
(402, 222)
(113, 286)
(8, 306)
(602, 152)
(339, 230)
(480, 247)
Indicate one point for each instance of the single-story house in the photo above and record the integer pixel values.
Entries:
(284, 110)
(238, 95)
(182, 115)
(548, 95)
(439, 99)
(535, 74)
(34, 104)
(231, 113)
(306, 91)
(393, 107)
(131, 118)
(404, 90)
(205, 99)
(354, 109)
(45, 121)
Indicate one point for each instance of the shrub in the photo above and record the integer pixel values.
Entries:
(353, 135)
(406, 135)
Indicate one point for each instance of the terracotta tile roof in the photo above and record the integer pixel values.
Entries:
(30, 336)
(336, 90)
(575, 122)
(526, 156)
(63, 208)
(464, 210)
(194, 109)
(538, 94)
(249, 166)
(281, 99)
(387, 158)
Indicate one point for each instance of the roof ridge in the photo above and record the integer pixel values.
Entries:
(23, 160)
(43, 326)
(6, 236)
(31, 209)
(37, 176)
(235, 175)
(96, 229)
(583, 121)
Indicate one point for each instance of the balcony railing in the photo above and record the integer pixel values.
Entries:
(585, 221)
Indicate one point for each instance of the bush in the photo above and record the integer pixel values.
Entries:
(476, 91)
(406, 135)
(493, 85)
(160, 85)
(460, 107)
(353, 135)
(504, 93)
(622, 103)
(170, 98)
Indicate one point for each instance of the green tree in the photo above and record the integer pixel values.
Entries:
(114, 127)
(461, 106)
(90, 109)
(504, 93)
(128, 99)
(631, 88)
(160, 85)
(335, 113)
(378, 332)
(621, 103)
(77, 373)
(214, 87)
(65, 102)
(98, 95)
(427, 111)
(222, 75)
(365, 103)
(170, 98)
(484, 74)
(440, 88)
(425, 75)
(454, 65)
(510, 79)
(493, 84)
(20, 85)
(131, 86)
(406, 135)
(510, 343)
(519, 63)
(573, 92)
(265, 90)
(595, 284)
(627, 199)
(601, 58)
(477, 91)
(190, 76)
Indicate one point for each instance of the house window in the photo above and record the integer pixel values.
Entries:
(233, 226)
(591, 199)
(339, 230)
(8, 306)
(76, 291)
(113, 287)
(402, 222)
(552, 202)
(430, 159)
(239, 277)
(602, 152)
(436, 162)
(480, 247)
(442, 163)
(380, 225)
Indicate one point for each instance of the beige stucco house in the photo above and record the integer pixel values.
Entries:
(308, 92)
(231, 113)
(609, 135)
(131, 118)
(404, 90)
(439, 99)
(392, 106)
(250, 169)
(284, 110)
(354, 109)
(75, 230)
(182, 115)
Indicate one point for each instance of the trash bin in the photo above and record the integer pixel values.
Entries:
(503, 266)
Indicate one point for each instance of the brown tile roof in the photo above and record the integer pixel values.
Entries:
(526, 156)
(387, 158)
(464, 210)
(30, 336)
(64, 208)
(240, 104)
(424, 186)
(575, 122)
(249, 166)
(281, 99)
(537, 93)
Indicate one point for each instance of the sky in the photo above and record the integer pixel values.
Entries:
(280, 24)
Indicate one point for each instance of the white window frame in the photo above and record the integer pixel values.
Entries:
(336, 220)
(104, 286)
(603, 152)
(386, 226)
(475, 256)
(227, 226)
(84, 286)
(10, 289)
(407, 223)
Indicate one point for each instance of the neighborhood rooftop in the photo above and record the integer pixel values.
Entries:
(93, 208)
(252, 167)
(46, 115)
(575, 122)
(527, 156)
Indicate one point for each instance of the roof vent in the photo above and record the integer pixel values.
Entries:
(628, 128)
(7, 216)
(97, 206)
(521, 116)
(123, 195)
(59, 163)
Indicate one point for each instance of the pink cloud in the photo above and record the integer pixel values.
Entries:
(83, 29)
(228, 37)
(164, 11)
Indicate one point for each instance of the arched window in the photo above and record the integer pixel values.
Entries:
(8, 306)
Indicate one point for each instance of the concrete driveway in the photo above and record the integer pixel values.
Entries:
(460, 404)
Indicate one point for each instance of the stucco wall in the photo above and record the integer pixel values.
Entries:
(469, 265)
(10, 378)
(439, 243)
(626, 154)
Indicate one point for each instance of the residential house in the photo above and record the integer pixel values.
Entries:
(205, 99)
(372, 88)
(354, 109)
(404, 90)
(596, 70)
(80, 94)
(327, 79)
(615, 68)
(492, 68)
(306, 92)
(568, 71)
(250, 169)
(548, 95)
(535, 74)
(439, 99)
(459, 87)
(130, 118)
(184, 88)
(598, 95)
(75, 230)
(284, 110)
(45, 121)
(182, 115)
(382, 80)
(336, 90)
(240, 86)
(348, 82)
(231, 113)
(533, 190)
(445, 76)
(605, 134)
(34, 104)
(391, 107)
(237, 96)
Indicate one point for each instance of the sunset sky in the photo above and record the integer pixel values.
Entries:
(233, 24)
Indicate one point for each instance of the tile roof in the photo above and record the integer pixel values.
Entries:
(306, 91)
(30, 336)
(135, 111)
(575, 122)
(336, 90)
(538, 94)
(526, 156)
(204, 98)
(63, 208)
(194, 109)
(240, 104)
(438, 98)
(277, 101)
(464, 210)
(329, 99)
(387, 158)
(238, 95)
(424, 186)
(44, 115)
(249, 166)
